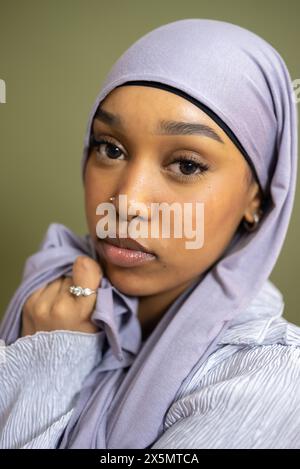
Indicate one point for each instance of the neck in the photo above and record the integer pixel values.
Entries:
(152, 308)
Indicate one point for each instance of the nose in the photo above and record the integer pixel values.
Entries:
(136, 190)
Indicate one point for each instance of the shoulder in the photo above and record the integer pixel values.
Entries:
(247, 397)
(254, 373)
(258, 338)
(239, 371)
(262, 322)
(251, 366)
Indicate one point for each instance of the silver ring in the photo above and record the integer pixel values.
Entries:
(80, 291)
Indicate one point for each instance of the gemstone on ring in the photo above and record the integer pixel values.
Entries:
(79, 291)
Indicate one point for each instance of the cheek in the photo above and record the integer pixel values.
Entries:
(90, 199)
(223, 207)
(91, 193)
(95, 192)
(222, 213)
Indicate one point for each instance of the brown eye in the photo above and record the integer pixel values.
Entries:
(188, 168)
(105, 148)
(112, 151)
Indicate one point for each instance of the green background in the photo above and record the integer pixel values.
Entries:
(54, 56)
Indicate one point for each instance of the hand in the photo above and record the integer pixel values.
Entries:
(53, 307)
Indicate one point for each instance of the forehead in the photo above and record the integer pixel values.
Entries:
(147, 98)
(159, 109)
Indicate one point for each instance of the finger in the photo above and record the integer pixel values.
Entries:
(64, 291)
(87, 273)
(30, 301)
(64, 304)
(36, 295)
(48, 295)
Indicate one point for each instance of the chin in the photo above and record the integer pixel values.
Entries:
(132, 283)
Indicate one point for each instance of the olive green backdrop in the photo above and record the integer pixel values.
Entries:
(54, 56)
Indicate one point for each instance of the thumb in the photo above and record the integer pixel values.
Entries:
(87, 273)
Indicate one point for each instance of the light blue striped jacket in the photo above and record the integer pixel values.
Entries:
(245, 395)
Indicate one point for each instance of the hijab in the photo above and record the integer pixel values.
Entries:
(244, 84)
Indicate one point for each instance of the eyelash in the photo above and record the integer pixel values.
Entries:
(187, 177)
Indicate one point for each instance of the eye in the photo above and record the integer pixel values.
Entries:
(106, 149)
(185, 168)
(188, 168)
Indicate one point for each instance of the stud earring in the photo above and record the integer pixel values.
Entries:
(253, 226)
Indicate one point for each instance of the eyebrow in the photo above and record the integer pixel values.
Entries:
(164, 127)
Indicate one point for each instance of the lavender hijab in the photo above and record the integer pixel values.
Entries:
(245, 82)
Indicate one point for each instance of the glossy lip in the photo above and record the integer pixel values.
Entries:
(121, 256)
(127, 243)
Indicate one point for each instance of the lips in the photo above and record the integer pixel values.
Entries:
(127, 243)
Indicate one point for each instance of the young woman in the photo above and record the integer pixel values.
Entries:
(143, 342)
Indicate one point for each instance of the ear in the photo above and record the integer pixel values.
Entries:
(254, 202)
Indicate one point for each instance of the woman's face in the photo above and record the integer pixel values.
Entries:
(148, 165)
